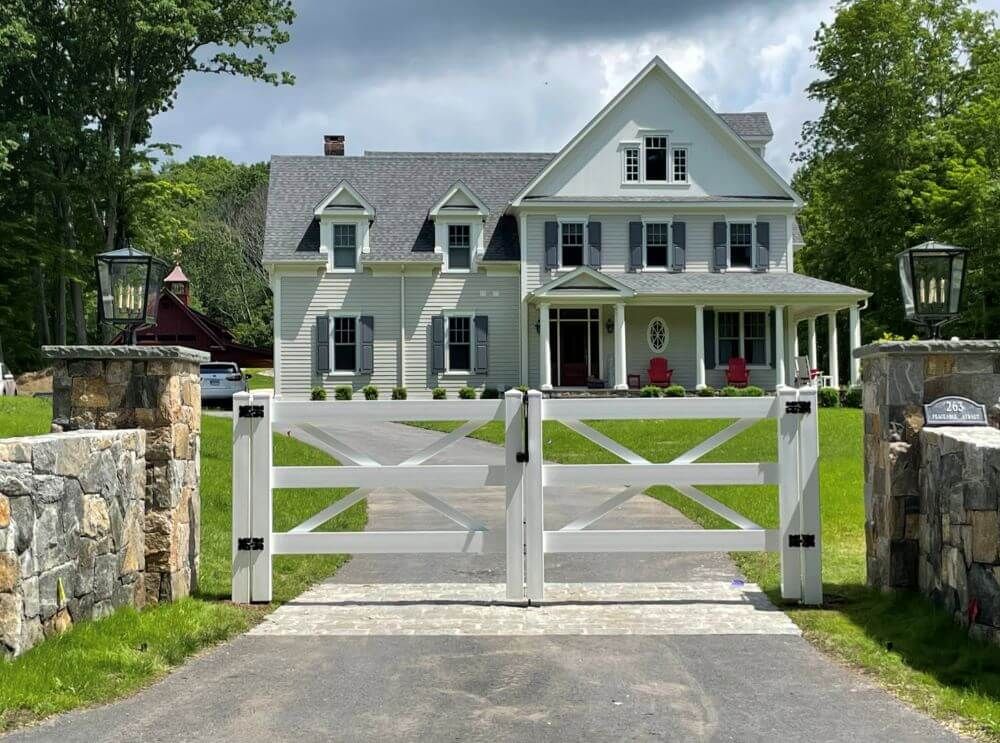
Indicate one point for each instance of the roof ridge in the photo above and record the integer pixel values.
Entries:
(457, 154)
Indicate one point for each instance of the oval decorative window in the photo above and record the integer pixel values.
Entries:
(657, 335)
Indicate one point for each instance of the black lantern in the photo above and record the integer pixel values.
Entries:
(932, 276)
(128, 285)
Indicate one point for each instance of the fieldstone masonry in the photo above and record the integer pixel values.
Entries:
(931, 509)
(71, 531)
(155, 388)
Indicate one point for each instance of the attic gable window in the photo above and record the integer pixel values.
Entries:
(680, 164)
(631, 155)
(655, 152)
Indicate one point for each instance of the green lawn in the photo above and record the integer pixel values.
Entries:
(260, 381)
(105, 659)
(902, 641)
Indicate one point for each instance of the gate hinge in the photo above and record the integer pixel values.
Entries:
(251, 411)
(798, 407)
(250, 544)
(801, 540)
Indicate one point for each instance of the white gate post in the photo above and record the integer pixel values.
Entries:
(812, 557)
(260, 496)
(788, 493)
(241, 500)
(534, 508)
(514, 440)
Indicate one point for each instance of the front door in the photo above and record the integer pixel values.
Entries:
(575, 334)
(573, 354)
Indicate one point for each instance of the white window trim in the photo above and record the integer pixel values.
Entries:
(343, 373)
(767, 337)
(361, 225)
(630, 145)
(729, 243)
(448, 314)
(583, 222)
(666, 334)
(447, 247)
(476, 242)
(640, 144)
(669, 221)
(674, 146)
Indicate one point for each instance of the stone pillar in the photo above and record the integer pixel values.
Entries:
(897, 379)
(155, 388)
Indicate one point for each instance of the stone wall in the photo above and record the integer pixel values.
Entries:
(71, 531)
(959, 556)
(155, 388)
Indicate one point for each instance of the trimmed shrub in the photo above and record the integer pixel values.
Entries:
(370, 391)
(852, 398)
(399, 393)
(439, 393)
(750, 391)
(318, 393)
(829, 397)
(344, 393)
(489, 393)
(675, 390)
(753, 391)
(706, 391)
(467, 393)
(730, 391)
(650, 391)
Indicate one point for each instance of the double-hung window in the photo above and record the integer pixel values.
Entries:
(345, 246)
(345, 348)
(459, 247)
(459, 343)
(631, 155)
(680, 157)
(742, 335)
(657, 244)
(740, 245)
(656, 158)
(571, 244)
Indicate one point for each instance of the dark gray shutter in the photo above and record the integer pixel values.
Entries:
(634, 246)
(709, 339)
(594, 239)
(774, 341)
(321, 344)
(366, 345)
(482, 323)
(720, 244)
(437, 344)
(680, 246)
(552, 245)
(762, 253)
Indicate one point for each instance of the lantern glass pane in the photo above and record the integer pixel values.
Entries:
(931, 280)
(157, 273)
(957, 277)
(906, 282)
(127, 283)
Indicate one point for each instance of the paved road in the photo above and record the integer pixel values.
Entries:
(281, 684)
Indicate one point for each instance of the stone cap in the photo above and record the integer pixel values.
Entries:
(919, 348)
(982, 436)
(128, 353)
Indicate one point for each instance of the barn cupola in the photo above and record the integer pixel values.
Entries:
(177, 284)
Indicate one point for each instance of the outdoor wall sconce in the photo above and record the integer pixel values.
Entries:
(932, 276)
(609, 325)
(129, 283)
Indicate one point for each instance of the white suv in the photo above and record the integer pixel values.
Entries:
(220, 380)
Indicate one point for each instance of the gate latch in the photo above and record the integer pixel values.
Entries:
(251, 411)
(801, 540)
(522, 456)
(250, 544)
(799, 407)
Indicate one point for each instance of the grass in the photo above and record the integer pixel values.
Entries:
(899, 640)
(260, 381)
(106, 659)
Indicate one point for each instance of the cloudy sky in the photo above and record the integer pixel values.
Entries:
(448, 75)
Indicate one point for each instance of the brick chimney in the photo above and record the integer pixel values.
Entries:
(333, 144)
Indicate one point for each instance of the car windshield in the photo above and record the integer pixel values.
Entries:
(219, 369)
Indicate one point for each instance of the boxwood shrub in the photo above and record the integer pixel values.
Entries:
(439, 393)
(650, 391)
(829, 397)
(399, 393)
(318, 393)
(750, 391)
(370, 391)
(706, 391)
(675, 390)
(467, 393)
(489, 393)
(852, 397)
(344, 393)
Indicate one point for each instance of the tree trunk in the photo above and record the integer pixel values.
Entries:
(41, 309)
(61, 305)
(79, 317)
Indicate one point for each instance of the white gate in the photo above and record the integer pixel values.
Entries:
(524, 475)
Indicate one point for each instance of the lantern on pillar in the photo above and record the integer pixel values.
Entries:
(932, 276)
(129, 283)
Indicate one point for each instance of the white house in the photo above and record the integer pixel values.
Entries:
(658, 231)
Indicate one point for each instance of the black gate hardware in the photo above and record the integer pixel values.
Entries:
(799, 407)
(250, 544)
(801, 540)
(251, 411)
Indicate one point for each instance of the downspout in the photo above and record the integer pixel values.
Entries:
(402, 326)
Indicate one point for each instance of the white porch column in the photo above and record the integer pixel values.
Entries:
(813, 358)
(545, 362)
(699, 346)
(621, 374)
(779, 345)
(832, 344)
(855, 343)
(793, 329)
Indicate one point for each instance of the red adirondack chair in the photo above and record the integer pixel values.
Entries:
(659, 372)
(737, 375)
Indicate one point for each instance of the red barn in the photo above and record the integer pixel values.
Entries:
(179, 325)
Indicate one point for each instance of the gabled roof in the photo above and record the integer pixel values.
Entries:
(741, 283)
(751, 125)
(176, 276)
(697, 101)
(584, 280)
(478, 205)
(360, 202)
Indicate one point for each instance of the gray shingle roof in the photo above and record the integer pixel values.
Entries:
(402, 188)
(771, 282)
(754, 124)
(648, 199)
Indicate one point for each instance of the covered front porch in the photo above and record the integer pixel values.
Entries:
(600, 332)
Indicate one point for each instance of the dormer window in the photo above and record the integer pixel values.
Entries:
(459, 247)
(680, 157)
(345, 247)
(656, 159)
